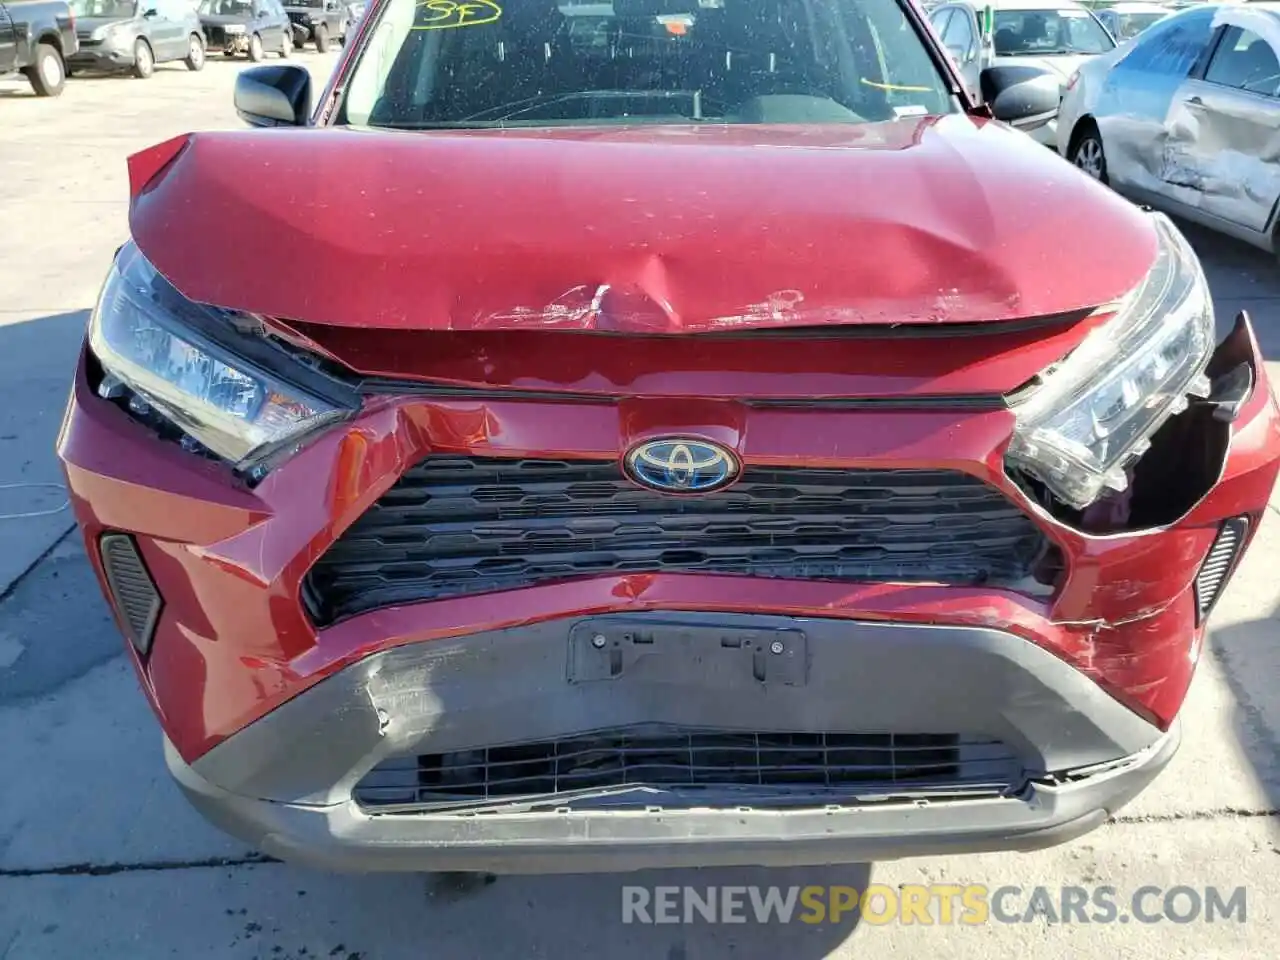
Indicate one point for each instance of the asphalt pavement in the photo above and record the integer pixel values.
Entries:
(100, 857)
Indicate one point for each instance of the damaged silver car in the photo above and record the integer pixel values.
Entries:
(1186, 118)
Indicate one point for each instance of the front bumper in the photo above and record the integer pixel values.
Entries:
(1047, 135)
(272, 720)
(285, 783)
(303, 32)
(217, 38)
(101, 57)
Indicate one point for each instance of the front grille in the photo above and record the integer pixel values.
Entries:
(463, 525)
(697, 767)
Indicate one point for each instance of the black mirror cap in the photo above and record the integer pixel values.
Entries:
(1022, 96)
(274, 96)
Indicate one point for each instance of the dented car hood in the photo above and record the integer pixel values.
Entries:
(666, 230)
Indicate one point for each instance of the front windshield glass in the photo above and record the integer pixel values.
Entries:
(112, 9)
(490, 63)
(227, 8)
(1126, 26)
(1039, 33)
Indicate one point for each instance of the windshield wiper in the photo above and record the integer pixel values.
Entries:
(510, 110)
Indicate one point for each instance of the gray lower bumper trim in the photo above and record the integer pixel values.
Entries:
(285, 782)
(540, 682)
(342, 837)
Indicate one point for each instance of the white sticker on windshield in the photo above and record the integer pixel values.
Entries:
(915, 110)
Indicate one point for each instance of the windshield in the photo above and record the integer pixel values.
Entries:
(1125, 26)
(437, 63)
(227, 8)
(1038, 33)
(112, 9)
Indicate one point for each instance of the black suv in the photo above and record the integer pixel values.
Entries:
(318, 22)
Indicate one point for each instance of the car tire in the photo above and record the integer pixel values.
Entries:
(256, 53)
(195, 53)
(286, 45)
(322, 38)
(48, 74)
(144, 61)
(1087, 152)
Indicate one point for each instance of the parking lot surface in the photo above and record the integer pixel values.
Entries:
(100, 857)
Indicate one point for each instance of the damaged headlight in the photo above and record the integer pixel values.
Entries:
(1097, 410)
(187, 361)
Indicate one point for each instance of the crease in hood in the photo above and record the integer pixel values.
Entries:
(635, 230)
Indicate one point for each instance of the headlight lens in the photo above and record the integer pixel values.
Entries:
(1096, 411)
(145, 334)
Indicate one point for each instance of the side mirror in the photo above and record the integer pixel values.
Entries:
(274, 96)
(1022, 96)
(149, 14)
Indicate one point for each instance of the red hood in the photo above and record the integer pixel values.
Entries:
(662, 230)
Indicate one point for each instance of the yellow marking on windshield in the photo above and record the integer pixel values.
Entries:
(895, 87)
(448, 14)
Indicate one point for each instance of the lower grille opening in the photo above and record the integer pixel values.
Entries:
(674, 767)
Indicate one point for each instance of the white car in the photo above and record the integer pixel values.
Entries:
(1125, 21)
(1186, 118)
(1054, 35)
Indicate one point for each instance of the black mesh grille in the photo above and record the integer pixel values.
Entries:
(455, 525)
(1218, 564)
(132, 589)
(693, 765)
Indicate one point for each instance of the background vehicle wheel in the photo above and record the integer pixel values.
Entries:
(322, 38)
(256, 52)
(144, 61)
(48, 75)
(286, 45)
(195, 52)
(1087, 152)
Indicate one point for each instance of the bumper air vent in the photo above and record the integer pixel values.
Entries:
(133, 592)
(1218, 565)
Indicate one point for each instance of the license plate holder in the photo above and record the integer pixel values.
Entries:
(666, 651)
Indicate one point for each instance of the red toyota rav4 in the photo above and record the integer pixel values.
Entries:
(655, 433)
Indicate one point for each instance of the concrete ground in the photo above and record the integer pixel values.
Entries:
(100, 857)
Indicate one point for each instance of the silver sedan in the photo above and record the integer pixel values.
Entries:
(1186, 118)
